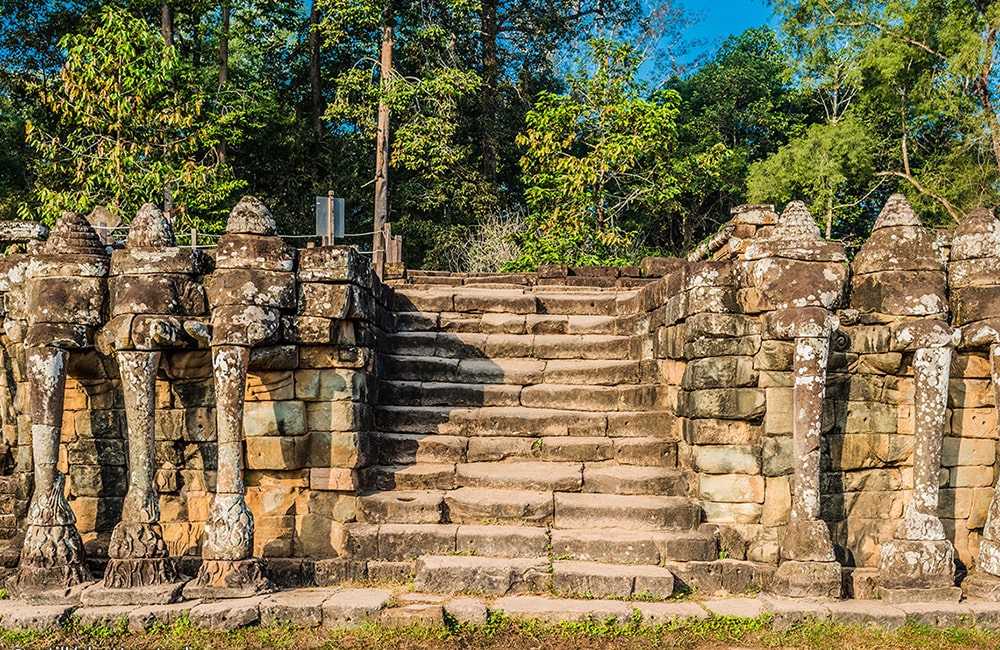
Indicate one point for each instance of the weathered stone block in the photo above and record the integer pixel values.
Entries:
(719, 372)
(726, 404)
(338, 416)
(286, 418)
(777, 501)
(336, 449)
(276, 452)
(967, 451)
(727, 459)
(777, 456)
(732, 488)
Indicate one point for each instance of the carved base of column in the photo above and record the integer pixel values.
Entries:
(806, 541)
(132, 573)
(982, 586)
(101, 595)
(51, 559)
(59, 585)
(229, 579)
(814, 580)
(914, 565)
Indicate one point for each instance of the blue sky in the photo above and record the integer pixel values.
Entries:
(722, 18)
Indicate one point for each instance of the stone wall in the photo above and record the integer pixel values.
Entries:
(719, 340)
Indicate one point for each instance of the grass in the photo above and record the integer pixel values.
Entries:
(501, 634)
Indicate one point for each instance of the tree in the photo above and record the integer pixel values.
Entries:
(593, 159)
(928, 84)
(831, 164)
(126, 124)
(736, 109)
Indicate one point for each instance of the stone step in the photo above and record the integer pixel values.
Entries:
(511, 346)
(402, 507)
(537, 476)
(399, 541)
(633, 546)
(411, 448)
(410, 477)
(485, 575)
(596, 580)
(591, 373)
(432, 393)
(473, 505)
(574, 397)
(470, 371)
(520, 421)
(629, 512)
(633, 479)
(500, 323)
(651, 452)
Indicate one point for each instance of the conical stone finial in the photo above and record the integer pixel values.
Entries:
(897, 211)
(251, 217)
(977, 236)
(74, 235)
(795, 224)
(150, 229)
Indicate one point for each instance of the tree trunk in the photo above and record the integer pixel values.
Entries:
(226, 11)
(167, 24)
(382, 144)
(314, 70)
(488, 99)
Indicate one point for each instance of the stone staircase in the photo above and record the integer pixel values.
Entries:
(521, 443)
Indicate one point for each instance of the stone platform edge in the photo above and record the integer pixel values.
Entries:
(344, 608)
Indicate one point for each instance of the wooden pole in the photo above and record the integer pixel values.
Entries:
(382, 145)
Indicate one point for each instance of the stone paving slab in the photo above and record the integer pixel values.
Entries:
(346, 608)
(25, 616)
(354, 607)
(299, 607)
(553, 610)
(867, 613)
(739, 607)
(142, 618)
(671, 612)
(229, 614)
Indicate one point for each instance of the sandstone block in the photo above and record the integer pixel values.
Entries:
(228, 614)
(502, 541)
(336, 449)
(299, 607)
(276, 452)
(495, 576)
(354, 607)
(727, 459)
(469, 505)
(287, 418)
(732, 488)
(967, 451)
(405, 541)
(777, 456)
(726, 404)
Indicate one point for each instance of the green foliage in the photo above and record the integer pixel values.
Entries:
(832, 164)
(593, 158)
(736, 109)
(926, 84)
(126, 123)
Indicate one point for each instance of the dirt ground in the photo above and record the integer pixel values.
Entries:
(715, 634)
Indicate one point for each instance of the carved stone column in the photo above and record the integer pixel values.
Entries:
(156, 294)
(254, 280)
(799, 279)
(984, 583)
(52, 556)
(900, 280)
(66, 290)
(974, 284)
(808, 565)
(918, 564)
